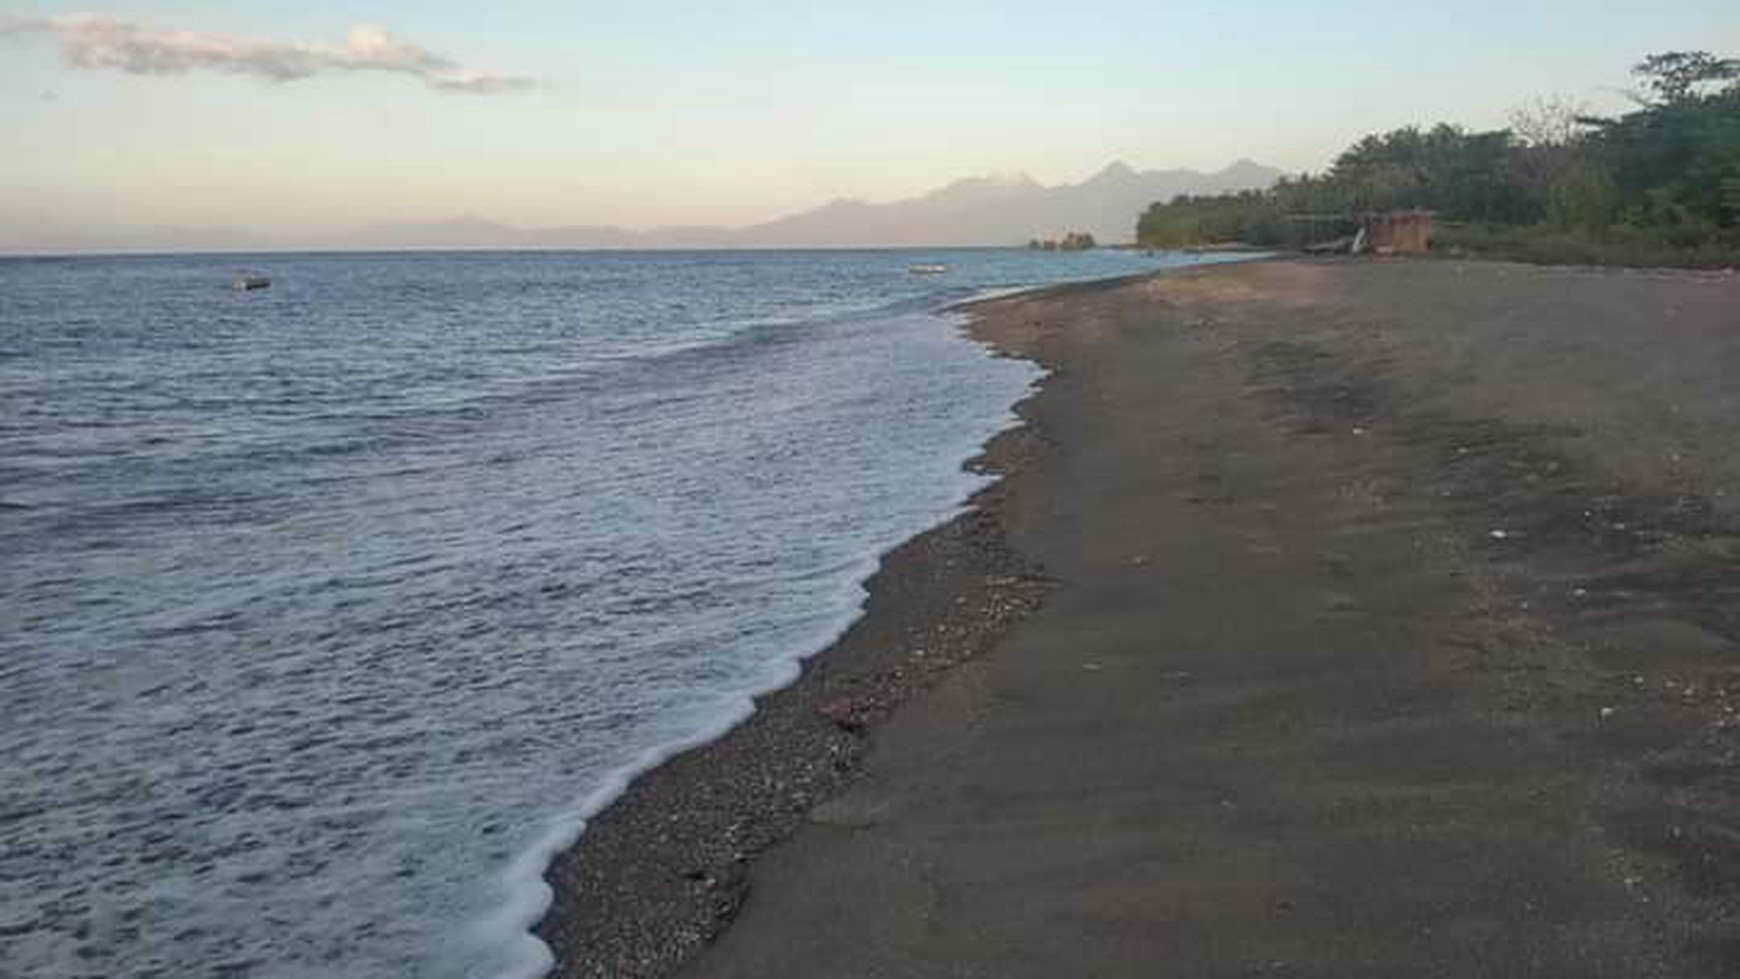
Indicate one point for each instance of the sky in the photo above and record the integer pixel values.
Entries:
(303, 120)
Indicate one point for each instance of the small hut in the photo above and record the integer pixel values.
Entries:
(1398, 232)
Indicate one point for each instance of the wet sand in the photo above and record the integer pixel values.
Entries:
(1334, 619)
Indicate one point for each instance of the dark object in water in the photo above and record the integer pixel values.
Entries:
(244, 282)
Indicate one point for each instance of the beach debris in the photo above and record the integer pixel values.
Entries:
(850, 714)
(729, 889)
(726, 887)
(1334, 246)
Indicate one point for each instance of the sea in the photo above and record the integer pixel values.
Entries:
(329, 612)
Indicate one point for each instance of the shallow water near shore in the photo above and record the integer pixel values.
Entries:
(333, 609)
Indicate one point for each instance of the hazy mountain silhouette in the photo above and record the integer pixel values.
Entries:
(990, 210)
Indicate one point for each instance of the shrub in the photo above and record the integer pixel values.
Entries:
(1583, 198)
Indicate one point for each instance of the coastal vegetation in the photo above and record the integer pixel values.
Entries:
(1657, 185)
(1075, 241)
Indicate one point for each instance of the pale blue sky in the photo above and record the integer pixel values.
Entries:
(677, 111)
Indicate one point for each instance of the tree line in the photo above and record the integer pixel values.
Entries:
(1660, 183)
(1075, 241)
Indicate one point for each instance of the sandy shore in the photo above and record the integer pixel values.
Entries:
(1389, 625)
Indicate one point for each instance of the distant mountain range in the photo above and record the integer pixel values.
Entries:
(992, 210)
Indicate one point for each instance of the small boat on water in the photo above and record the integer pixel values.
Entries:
(927, 269)
(248, 282)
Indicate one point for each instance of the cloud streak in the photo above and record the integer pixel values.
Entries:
(102, 42)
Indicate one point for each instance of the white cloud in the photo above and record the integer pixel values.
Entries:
(99, 41)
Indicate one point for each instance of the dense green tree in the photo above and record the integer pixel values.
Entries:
(1674, 163)
(1681, 75)
(1666, 175)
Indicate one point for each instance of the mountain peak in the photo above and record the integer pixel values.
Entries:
(1115, 170)
(1246, 166)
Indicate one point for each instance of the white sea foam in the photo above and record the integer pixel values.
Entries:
(510, 928)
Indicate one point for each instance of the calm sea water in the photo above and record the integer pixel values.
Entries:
(328, 612)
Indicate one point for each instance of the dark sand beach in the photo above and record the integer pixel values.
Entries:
(1340, 619)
